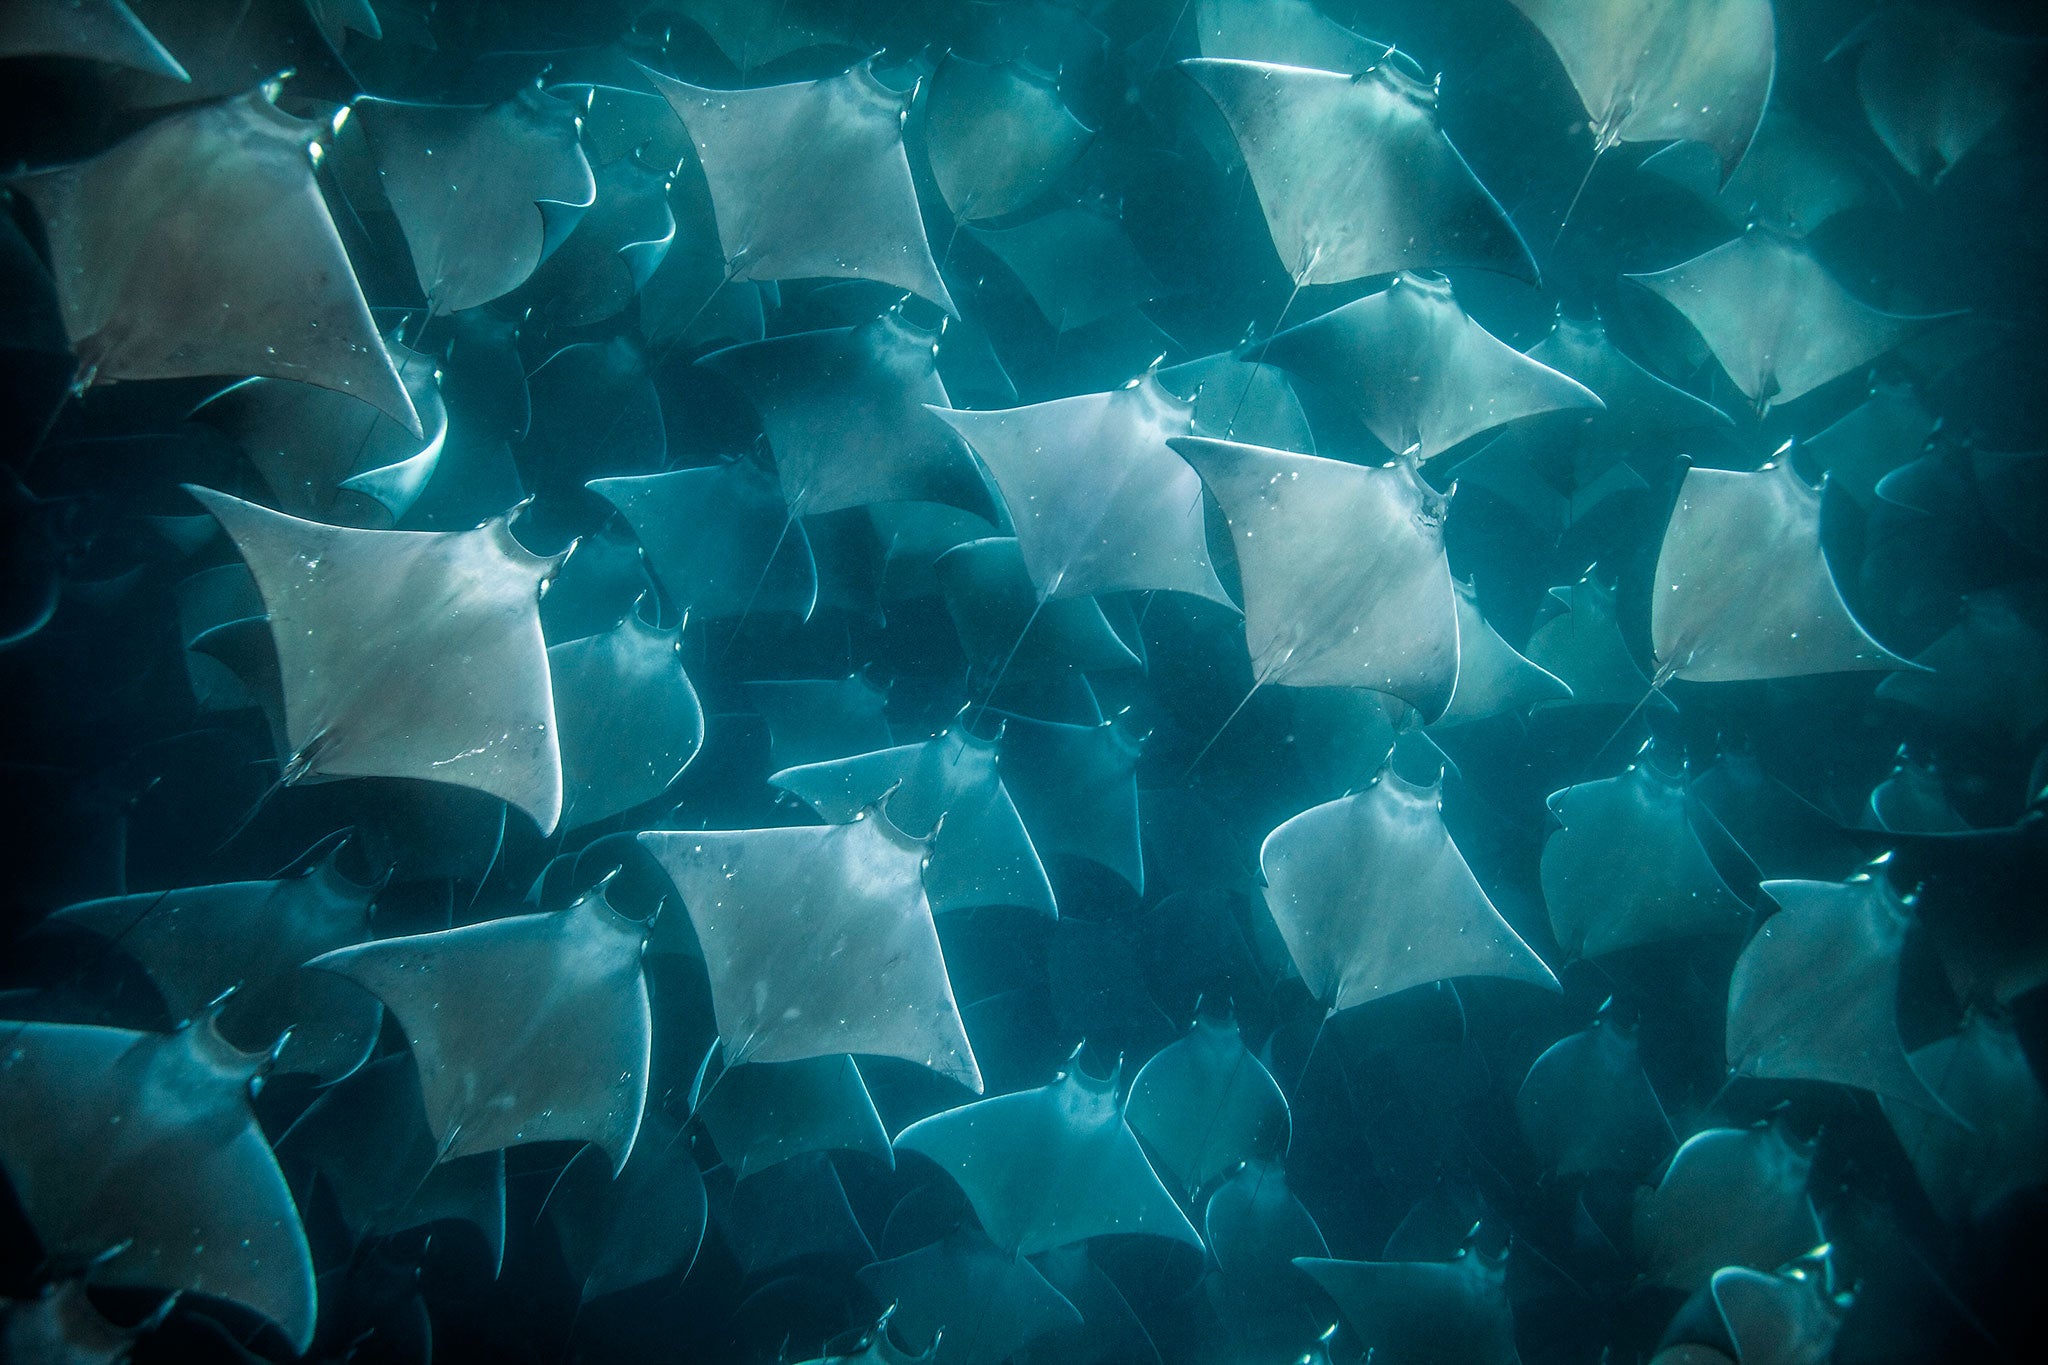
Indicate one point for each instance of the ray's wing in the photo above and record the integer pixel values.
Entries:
(1626, 867)
(331, 457)
(628, 717)
(720, 539)
(967, 1302)
(1889, 429)
(1420, 373)
(1345, 579)
(997, 136)
(1077, 263)
(1099, 501)
(382, 678)
(201, 942)
(811, 720)
(1775, 319)
(1373, 897)
(1412, 1312)
(1698, 70)
(950, 788)
(1493, 677)
(1730, 1197)
(533, 1028)
(1934, 83)
(138, 1152)
(1795, 177)
(1743, 590)
(1586, 1105)
(1582, 646)
(643, 1223)
(96, 30)
(846, 415)
(1815, 995)
(1076, 789)
(368, 1139)
(483, 193)
(1239, 400)
(819, 940)
(200, 245)
(761, 1113)
(810, 180)
(1997, 1141)
(1207, 1106)
(1049, 1167)
(988, 593)
(1287, 32)
(1396, 197)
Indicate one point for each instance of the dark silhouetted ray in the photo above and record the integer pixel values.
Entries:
(1048, 1167)
(628, 718)
(1205, 1105)
(2001, 1142)
(792, 1213)
(1743, 590)
(1076, 262)
(95, 30)
(819, 940)
(878, 1347)
(201, 246)
(810, 180)
(845, 412)
(483, 192)
(1989, 672)
(1891, 428)
(1730, 1197)
(1586, 1105)
(137, 1152)
(1775, 319)
(1424, 1312)
(997, 136)
(643, 1223)
(811, 720)
(369, 1141)
(995, 609)
(615, 248)
(1420, 373)
(720, 539)
(199, 943)
(1099, 501)
(967, 1302)
(1913, 800)
(751, 36)
(1638, 404)
(1345, 580)
(949, 791)
(1691, 70)
(1815, 995)
(1583, 648)
(1795, 177)
(1256, 1229)
(1627, 867)
(1239, 400)
(1788, 1318)
(61, 1326)
(1076, 788)
(1287, 32)
(1399, 197)
(1934, 82)
(533, 1028)
(1372, 897)
(407, 653)
(1492, 677)
(330, 457)
(762, 1113)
